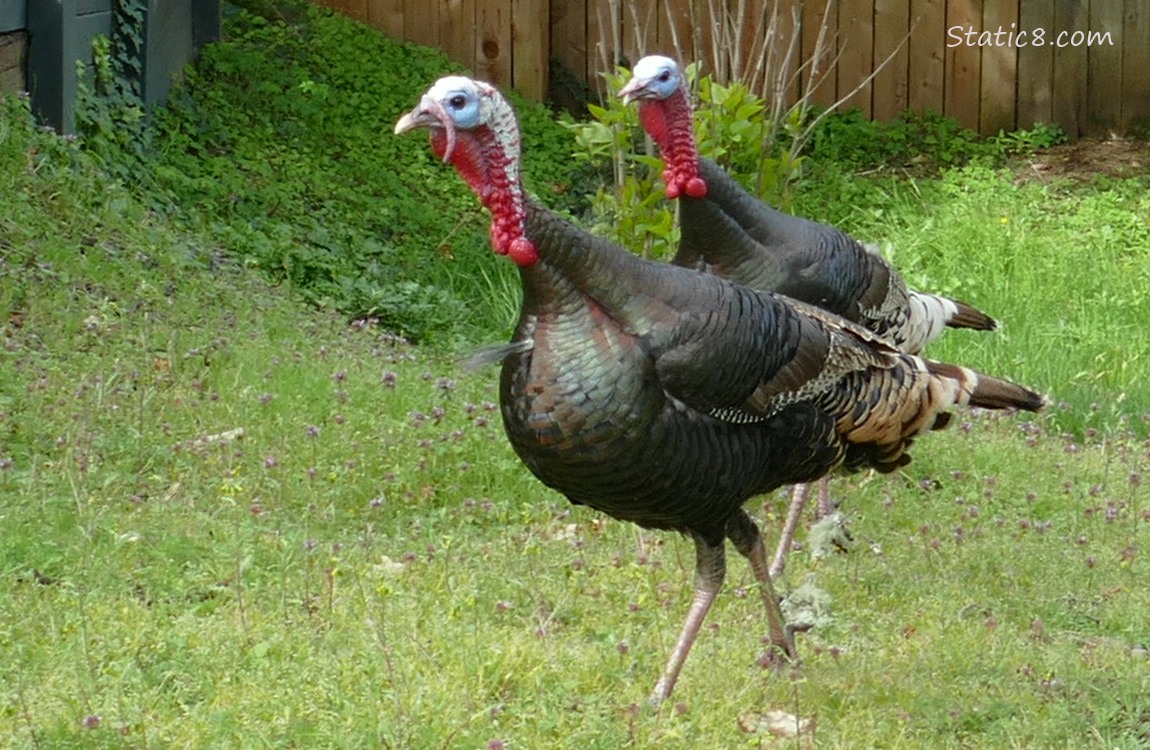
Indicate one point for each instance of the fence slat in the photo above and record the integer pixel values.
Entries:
(421, 22)
(569, 48)
(819, 77)
(1135, 67)
(387, 15)
(961, 83)
(357, 9)
(1035, 65)
(926, 46)
(999, 70)
(640, 29)
(493, 42)
(1104, 67)
(891, 26)
(856, 47)
(787, 28)
(1069, 95)
(457, 30)
(530, 43)
(603, 40)
(677, 36)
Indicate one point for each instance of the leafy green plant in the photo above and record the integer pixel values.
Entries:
(1042, 135)
(929, 140)
(110, 114)
(627, 206)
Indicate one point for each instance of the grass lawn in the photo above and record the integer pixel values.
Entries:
(228, 520)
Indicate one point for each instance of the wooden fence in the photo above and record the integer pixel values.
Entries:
(1041, 68)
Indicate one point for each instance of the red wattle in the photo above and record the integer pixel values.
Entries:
(696, 187)
(523, 252)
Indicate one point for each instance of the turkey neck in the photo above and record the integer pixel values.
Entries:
(725, 233)
(766, 224)
(577, 268)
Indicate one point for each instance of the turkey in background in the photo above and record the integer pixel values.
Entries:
(730, 232)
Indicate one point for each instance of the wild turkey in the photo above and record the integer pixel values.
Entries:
(666, 397)
(728, 231)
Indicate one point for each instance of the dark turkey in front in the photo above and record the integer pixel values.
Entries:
(666, 397)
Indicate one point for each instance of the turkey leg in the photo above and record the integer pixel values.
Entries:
(745, 535)
(825, 506)
(799, 495)
(710, 567)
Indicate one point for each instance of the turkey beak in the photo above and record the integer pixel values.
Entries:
(636, 88)
(429, 114)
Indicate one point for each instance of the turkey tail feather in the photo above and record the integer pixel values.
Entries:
(971, 317)
(987, 391)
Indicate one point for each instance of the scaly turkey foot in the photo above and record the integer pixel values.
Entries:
(778, 656)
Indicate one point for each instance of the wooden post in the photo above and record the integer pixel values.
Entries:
(569, 48)
(493, 41)
(856, 51)
(388, 15)
(1069, 94)
(819, 77)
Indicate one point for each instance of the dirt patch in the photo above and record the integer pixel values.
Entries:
(1084, 160)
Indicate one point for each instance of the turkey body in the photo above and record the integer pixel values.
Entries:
(586, 405)
(728, 231)
(733, 234)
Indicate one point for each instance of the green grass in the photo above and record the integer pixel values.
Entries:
(368, 565)
(1063, 269)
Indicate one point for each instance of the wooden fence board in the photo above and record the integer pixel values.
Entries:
(786, 30)
(891, 26)
(925, 48)
(819, 75)
(961, 82)
(357, 9)
(999, 69)
(1104, 67)
(604, 20)
(493, 42)
(1135, 93)
(856, 51)
(569, 48)
(1069, 83)
(457, 30)
(677, 32)
(1035, 65)
(421, 22)
(640, 29)
(530, 45)
(388, 15)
